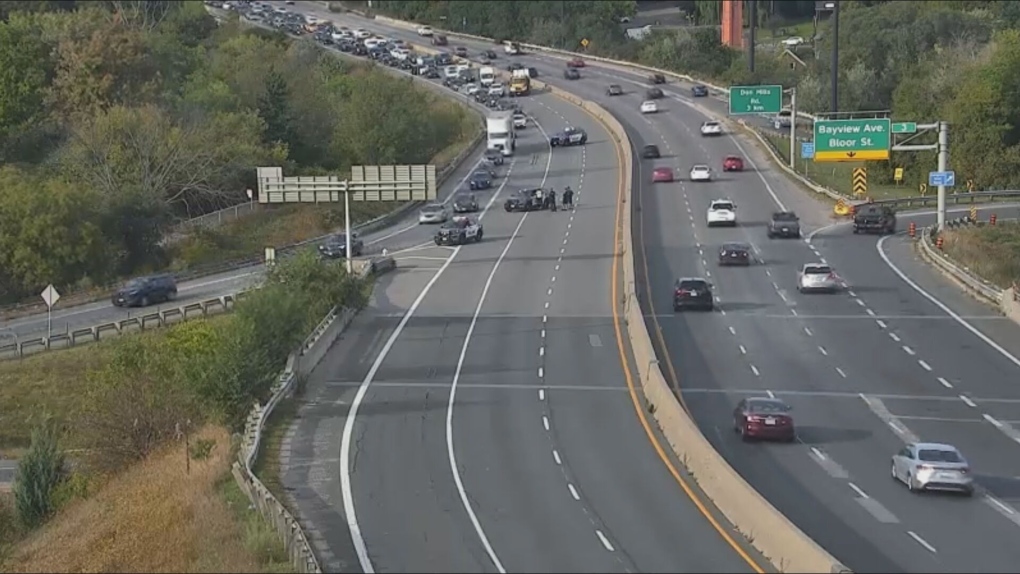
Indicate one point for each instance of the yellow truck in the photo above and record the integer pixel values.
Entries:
(520, 83)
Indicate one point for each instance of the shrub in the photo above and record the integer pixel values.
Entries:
(39, 473)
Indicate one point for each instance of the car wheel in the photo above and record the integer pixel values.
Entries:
(892, 471)
(910, 483)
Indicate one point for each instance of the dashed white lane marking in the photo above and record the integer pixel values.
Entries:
(841, 373)
(557, 268)
(770, 394)
(549, 292)
(858, 490)
(822, 350)
(922, 542)
(604, 541)
(541, 351)
(541, 394)
(754, 370)
(859, 302)
(733, 331)
(851, 293)
(924, 365)
(573, 491)
(808, 331)
(546, 304)
(869, 312)
(543, 332)
(545, 318)
(553, 280)
(541, 372)
(894, 337)
(992, 420)
(743, 351)
(908, 351)
(545, 422)
(966, 400)
(556, 457)
(945, 383)
(881, 324)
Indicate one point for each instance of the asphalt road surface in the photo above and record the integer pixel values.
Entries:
(866, 369)
(8, 468)
(552, 468)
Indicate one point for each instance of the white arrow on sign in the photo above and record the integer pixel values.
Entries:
(50, 295)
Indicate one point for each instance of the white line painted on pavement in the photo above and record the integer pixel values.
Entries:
(573, 491)
(922, 542)
(966, 400)
(604, 541)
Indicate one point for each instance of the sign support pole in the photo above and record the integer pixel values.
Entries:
(49, 322)
(347, 228)
(793, 125)
(943, 167)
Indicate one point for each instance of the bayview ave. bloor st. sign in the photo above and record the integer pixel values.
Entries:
(852, 140)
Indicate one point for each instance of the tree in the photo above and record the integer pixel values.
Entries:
(25, 70)
(274, 109)
(39, 473)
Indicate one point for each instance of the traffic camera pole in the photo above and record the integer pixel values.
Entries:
(347, 227)
(943, 167)
(793, 127)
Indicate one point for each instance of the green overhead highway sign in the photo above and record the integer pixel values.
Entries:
(904, 128)
(755, 100)
(852, 140)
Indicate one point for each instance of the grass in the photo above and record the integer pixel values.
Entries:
(158, 517)
(990, 251)
(267, 466)
(837, 176)
(48, 385)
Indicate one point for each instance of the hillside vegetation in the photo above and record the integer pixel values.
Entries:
(119, 118)
(925, 61)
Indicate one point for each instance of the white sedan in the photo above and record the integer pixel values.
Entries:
(649, 107)
(497, 89)
(721, 212)
(424, 31)
(711, 128)
(701, 173)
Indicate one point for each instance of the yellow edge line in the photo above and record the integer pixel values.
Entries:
(621, 157)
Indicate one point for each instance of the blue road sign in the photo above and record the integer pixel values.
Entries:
(943, 178)
(807, 150)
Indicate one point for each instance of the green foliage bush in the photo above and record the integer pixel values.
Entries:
(161, 385)
(39, 473)
(113, 126)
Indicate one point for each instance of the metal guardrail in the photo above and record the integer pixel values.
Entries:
(103, 331)
(215, 218)
(985, 289)
(103, 292)
(272, 510)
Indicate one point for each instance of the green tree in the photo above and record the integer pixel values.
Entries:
(274, 109)
(39, 473)
(25, 70)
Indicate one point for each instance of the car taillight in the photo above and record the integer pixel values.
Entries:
(682, 292)
(754, 419)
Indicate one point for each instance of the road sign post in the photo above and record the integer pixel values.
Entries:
(50, 296)
(745, 100)
(852, 140)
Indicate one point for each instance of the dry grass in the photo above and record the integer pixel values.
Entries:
(154, 517)
(993, 252)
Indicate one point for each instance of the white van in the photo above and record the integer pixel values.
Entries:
(487, 75)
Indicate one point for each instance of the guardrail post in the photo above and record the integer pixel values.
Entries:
(991, 219)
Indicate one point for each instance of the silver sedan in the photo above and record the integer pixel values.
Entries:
(932, 466)
(433, 213)
(817, 277)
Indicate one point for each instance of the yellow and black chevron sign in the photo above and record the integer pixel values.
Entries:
(860, 181)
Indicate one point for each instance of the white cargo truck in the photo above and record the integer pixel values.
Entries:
(500, 135)
(487, 75)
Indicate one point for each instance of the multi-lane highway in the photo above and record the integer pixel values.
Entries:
(887, 360)
(477, 416)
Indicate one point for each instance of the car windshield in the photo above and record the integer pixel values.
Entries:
(818, 270)
(136, 283)
(693, 284)
(432, 208)
(480, 175)
(462, 199)
(700, 168)
(767, 407)
(723, 206)
(736, 247)
(784, 216)
(651, 148)
(711, 124)
(939, 455)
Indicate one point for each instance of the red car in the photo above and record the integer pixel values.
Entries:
(575, 63)
(764, 418)
(662, 175)
(733, 163)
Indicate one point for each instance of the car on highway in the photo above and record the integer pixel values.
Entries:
(425, 31)
(497, 89)
(480, 179)
(872, 218)
(662, 175)
(362, 34)
(783, 119)
(532, 72)
(490, 54)
(793, 42)
(465, 203)
(568, 137)
(783, 224)
(692, 293)
(711, 128)
(650, 151)
(439, 40)
(525, 200)
(433, 213)
(699, 91)
(335, 246)
(817, 277)
(700, 173)
(520, 120)
(513, 66)
(614, 90)
(460, 52)
(735, 254)
(654, 94)
(656, 79)
(575, 63)
(649, 107)
(733, 163)
(458, 231)
(144, 291)
(571, 74)
(764, 418)
(721, 212)
(493, 157)
(933, 466)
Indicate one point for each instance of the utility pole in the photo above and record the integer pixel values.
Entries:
(754, 26)
(793, 127)
(943, 160)
(835, 57)
(347, 227)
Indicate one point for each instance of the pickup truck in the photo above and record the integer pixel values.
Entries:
(783, 224)
(870, 218)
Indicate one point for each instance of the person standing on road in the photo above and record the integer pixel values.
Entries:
(568, 197)
(552, 200)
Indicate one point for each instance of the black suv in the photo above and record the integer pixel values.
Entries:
(870, 218)
(654, 94)
(650, 151)
(783, 224)
(480, 179)
(336, 247)
(692, 293)
(143, 291)
(465, 203)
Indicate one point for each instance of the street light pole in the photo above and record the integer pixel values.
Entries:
(347, 228)
(752, 35)
(835, 57)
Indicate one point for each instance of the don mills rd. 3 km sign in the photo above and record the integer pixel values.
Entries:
(852, 140)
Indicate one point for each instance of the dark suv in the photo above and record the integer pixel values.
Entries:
(144, 291)
(336, 247)
(692, 293)
(871, 218)
(783, 224)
